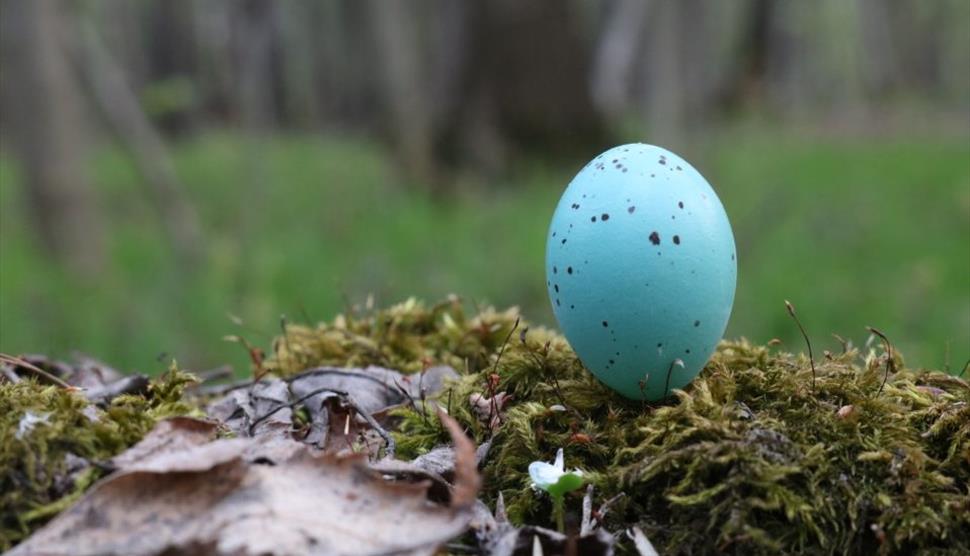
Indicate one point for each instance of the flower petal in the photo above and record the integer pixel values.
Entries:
(559, 461)
(543, 474)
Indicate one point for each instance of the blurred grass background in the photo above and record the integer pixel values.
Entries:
(171, 168)
(884, 242)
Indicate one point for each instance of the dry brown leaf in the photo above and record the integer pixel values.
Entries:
(172, 435)
(179, 496)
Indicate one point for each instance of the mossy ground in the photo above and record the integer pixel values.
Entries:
(753, 457)
(54, 444)
(750, 458)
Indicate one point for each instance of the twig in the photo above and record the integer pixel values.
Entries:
(965, 365)
(811, 357)
(678, 362)
(843, 341)
(9, 374)
(493, 404)
(347, 400)
(604, 508)
(388, 440)
(218, 373)
(220, 389)
(286, 338)
(890, 364)
(586, 526)
(19, 362)
(504, 345)
(641, 542)
(291, 405)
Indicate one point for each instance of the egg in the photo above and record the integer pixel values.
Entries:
(641, 269)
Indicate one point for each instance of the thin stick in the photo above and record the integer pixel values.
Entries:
(670, 369)
(493, 405)
(843, 341)
(347, 400)
(811, 357)
(890, 364)
(290, 405)
(9, 374)
(604, 508)
(505, 344)
(586, 527)
(388, 440)
(220, 389)
(217, 373)
(286, 338)
(19, 362)
(965, 365)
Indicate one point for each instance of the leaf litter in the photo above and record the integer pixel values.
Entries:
(766, 452)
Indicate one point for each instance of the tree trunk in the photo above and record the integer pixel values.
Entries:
(620, 43)
(123, 112)
(405, 94)
(48, 130)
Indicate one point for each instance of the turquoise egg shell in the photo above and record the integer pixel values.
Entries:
(641, 269)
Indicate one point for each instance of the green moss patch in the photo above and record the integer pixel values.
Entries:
(750, 458)
(753, 457)
(54, 444)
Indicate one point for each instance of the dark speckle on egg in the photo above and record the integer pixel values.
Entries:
(680, 204)
(605, 324)
(631, 209)
(676, 240)
(605, 217)
(555, 270)
(655, 238)
(593, 219)
(569, 269)
(697, 323)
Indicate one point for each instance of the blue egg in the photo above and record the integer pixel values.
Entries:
(641, 269)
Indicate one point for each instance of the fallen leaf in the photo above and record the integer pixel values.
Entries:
(324, 394)
(173, 435)
(178, 494)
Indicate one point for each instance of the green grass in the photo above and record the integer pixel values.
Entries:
(854, 232)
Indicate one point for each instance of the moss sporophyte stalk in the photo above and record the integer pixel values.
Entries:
(748, 458)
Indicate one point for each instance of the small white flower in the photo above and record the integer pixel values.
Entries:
(553, 478)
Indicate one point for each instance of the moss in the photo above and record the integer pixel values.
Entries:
(748, 459)
(50, 436)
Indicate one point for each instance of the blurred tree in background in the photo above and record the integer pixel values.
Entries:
(166, 162)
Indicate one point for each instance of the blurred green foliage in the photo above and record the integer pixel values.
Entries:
(854, 232)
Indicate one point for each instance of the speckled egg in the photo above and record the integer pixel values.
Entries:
(641, 269)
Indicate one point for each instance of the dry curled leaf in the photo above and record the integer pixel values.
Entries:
(177, 493)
